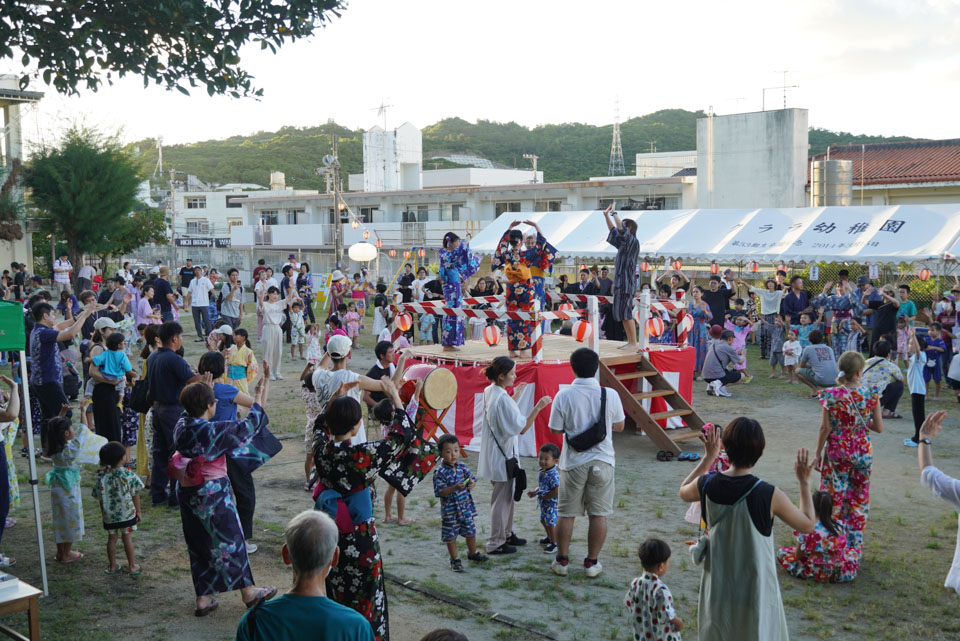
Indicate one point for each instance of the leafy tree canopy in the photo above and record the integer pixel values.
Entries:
(169, 42)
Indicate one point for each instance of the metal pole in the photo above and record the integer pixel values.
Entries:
(593, 310)
(642, 317)
(33, 472)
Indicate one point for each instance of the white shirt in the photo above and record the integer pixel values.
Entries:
(87, 271)
(418, 288)
(948, 489)
(502, 420)
(263, 285)
(200, 291)
(326, 382)
(124, 274)
(273, 312)
(61, 271)
(575, 408)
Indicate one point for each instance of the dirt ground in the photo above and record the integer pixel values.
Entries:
(908, 545)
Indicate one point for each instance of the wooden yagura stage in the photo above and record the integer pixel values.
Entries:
(465, 417)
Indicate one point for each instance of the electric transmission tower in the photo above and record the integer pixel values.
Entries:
(616, 149)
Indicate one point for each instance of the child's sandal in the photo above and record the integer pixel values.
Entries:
(108, 571)
(135, 572)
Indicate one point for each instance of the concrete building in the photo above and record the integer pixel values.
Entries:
(392, 160)
(902, 173)
(660, 164)
(11, 100)
(752, 159)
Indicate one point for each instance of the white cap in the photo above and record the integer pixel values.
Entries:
(338, 276)
(223, 329)
(105, 322)
(339, 346)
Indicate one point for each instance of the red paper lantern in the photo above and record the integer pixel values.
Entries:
(924, 274)
(583, 267)
(754, 267)
(379, 244)
(393, 253)
(581, 331)
(677, 265)
(404, 322)
(406, 254)
(422, 253)
(644, 266)
(654, 327)
(781, 267)
(491, 334)
(566, 307)
(714, 268)
(366, 235)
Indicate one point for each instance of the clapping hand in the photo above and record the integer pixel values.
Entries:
(932, 424)
(9, 382)
(207, 379)
(711, 442)
(543, 402)
(803, 465)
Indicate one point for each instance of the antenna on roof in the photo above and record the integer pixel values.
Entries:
(616, 167)
(382, 111)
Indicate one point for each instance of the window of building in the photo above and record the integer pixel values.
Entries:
(423, 213)
(366, 213)
(196, 202)
(295, 216)
(269, 217)
(234, 222)
(455, 212)
(512, 206)
(548, 205)
(408, 216)
(198, 226)
(234, 205)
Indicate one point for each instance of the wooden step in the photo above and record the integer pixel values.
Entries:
(613, 361)
(684, 435)
(657, 393)
(626, 376)
(658, 416)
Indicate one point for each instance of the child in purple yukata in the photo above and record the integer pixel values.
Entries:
(649, 598)
(547, 493)
(452, 482)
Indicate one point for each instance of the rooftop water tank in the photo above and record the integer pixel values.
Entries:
(831, 182)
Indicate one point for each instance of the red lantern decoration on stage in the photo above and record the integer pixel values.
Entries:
(379, 244)
(583, 266)
(366, 235)
(422, 253)
(393, 253)
(754, 267)
(714, 268)
(491, 334)
(581, 331)
(644, 266)
(654, 327)
(781, 267)
(924, 274)
(404, 322)
(406, 254)
(566, 307)
(677, 265)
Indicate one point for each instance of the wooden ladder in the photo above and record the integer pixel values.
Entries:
(659, 388)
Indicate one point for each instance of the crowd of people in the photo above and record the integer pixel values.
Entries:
(207, 426)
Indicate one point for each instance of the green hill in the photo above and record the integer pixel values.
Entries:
(570, 151)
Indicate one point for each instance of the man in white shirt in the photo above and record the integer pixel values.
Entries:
(61, 272)
(198, 298)
(326, 381)
(586, 477)
(85, 278)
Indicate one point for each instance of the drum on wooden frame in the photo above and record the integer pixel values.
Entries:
(439, 386)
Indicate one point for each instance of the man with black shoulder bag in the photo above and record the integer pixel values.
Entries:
(587, 460)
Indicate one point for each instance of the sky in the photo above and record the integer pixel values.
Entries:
(862, 66)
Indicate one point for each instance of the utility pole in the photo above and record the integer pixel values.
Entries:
(533, 158)
(337, 206)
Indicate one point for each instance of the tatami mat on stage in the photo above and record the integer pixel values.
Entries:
(555, 348)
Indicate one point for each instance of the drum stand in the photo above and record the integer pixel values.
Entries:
(425, 413)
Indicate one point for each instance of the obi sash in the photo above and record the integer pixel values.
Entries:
(65, 477)
(348, 510)
(517, 273)
(536, 272)
(190, 472)
(236, 372)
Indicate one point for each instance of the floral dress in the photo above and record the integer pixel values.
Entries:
(9, 431)
(455, 268)
(65, 498)
(845, 468)
(298, 334)
(698, 335)
(352, 321)
(208, 511)
(242, 368)
(129, 419)
(826, 557)
(520, 293)
(345, 473)
(115, 489)
(651, 609)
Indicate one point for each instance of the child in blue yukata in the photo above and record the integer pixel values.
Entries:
(649, 599)
(547, 493)
(936, 347)
(452, 482)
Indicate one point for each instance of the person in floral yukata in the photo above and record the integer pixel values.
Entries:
(649, 599)
(516, 261)
(452, 482)
(208, 510)
(457, 265)
(823, 555)
(117, 490)
(844, 453)
(345, 475)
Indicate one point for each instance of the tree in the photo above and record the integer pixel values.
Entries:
(168, 42)
(85, 187)
(140, 228)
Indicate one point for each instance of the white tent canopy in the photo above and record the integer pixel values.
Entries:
(888, 234)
